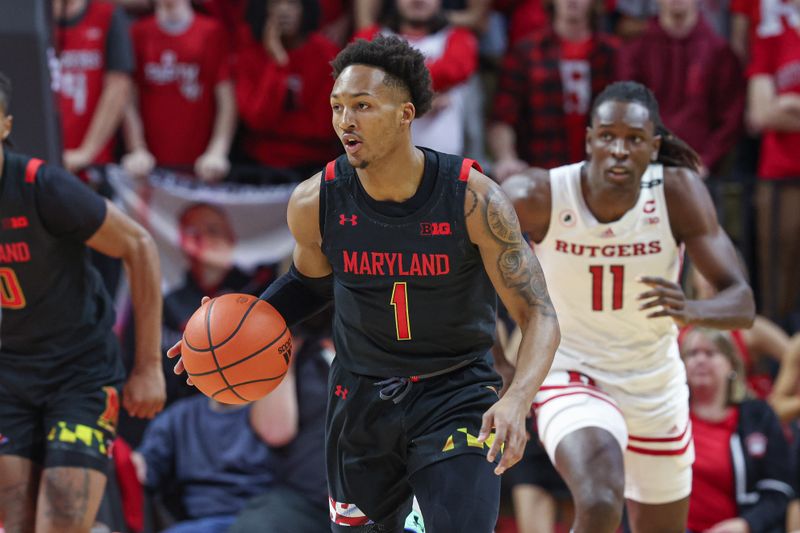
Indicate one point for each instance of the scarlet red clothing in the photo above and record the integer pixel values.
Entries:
(456, 64)
(698, 82)
(531, 96)
(766, 19)
(761, 383)
(82, 53)
(779, 57)
(286, 109)
(176, 76)
(575, 78)
(524, 17)
(713, 496)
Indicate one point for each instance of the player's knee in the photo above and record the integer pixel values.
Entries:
(600, 506)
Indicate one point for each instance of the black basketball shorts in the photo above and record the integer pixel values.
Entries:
(374, 445)
(61, 414)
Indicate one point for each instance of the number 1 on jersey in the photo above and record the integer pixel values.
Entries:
(400, 303)
(618, 276)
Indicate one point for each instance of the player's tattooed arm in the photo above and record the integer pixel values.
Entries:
(519, 281)
(516, 263)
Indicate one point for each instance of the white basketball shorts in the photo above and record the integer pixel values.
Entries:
(656, 443)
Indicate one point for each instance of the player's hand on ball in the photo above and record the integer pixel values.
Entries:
(507, 416)
(175, 351)
(666, 298)
(145, 391)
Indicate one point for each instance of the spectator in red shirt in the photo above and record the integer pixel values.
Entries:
(546, 87)
(91, 78)
(774, 109)
(186, 113)
(451, 55)
(283, 84)
(740, 482)
(695, 76)
(753, 19)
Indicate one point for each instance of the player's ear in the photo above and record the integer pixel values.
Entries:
(8, 123)
(408, 113)
(588, 142)
(656, 148)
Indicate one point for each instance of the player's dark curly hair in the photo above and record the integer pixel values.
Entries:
(404, 66)
(5, 92)
(673, 152)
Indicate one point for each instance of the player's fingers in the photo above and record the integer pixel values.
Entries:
(654, 281)
(486, 425)
(189, 382)
(204, 299)
(179, 368)
(175, 350)
(497, 444)
(666, 311)
(664, 301)
(512, 452)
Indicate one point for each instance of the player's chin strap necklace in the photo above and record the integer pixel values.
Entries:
(396, 388)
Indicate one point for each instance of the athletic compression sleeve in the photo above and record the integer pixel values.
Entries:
(297, 297)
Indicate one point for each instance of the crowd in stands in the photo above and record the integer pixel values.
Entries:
(237, 91)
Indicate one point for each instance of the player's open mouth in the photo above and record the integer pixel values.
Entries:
(351, 143)
(618, 172)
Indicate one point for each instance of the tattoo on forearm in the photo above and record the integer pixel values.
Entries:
(474, 196)
(67, 494)
(518, 265)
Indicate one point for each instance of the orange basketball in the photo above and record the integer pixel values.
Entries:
(236, 348)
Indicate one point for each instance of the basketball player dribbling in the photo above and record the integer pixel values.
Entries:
(613, 411)
(60, 371)
(412, 245)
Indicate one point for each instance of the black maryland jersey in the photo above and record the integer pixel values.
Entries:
(54, 303)
(412, 296)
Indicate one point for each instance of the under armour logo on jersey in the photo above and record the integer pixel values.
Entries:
(341, 392)
(649, 206)
(607, 233)
(353, 220)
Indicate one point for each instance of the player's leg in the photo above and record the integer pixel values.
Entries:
(21, 450)
(664, 518)
(590, 461)
(68, 499)
(458, 494)
(81, 425)
(19, 483)
(584, 434)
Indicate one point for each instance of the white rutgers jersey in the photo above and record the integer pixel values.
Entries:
(592, 269)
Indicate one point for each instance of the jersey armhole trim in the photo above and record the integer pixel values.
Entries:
(330, 171)
(31, 169)
(466, 165)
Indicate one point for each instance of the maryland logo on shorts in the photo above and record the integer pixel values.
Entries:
(108, 418)
(462, 437)
(80, 436)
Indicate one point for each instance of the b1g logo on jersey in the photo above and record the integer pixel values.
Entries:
(15, 222)
(435, 228)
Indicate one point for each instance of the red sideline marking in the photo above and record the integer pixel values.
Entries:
(645, 451)
(31, 169)
(587, 392)
(660, 439)
(465, 166)
(330, 171)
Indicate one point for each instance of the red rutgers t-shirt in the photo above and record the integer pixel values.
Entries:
(779, 57)
(576, 81)
(81, 47)
(176, 75)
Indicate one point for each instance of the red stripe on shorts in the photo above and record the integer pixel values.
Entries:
(645, 451)
(660, 439)
(587, 392)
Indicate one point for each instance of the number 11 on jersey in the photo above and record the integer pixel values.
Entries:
(400, 303)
